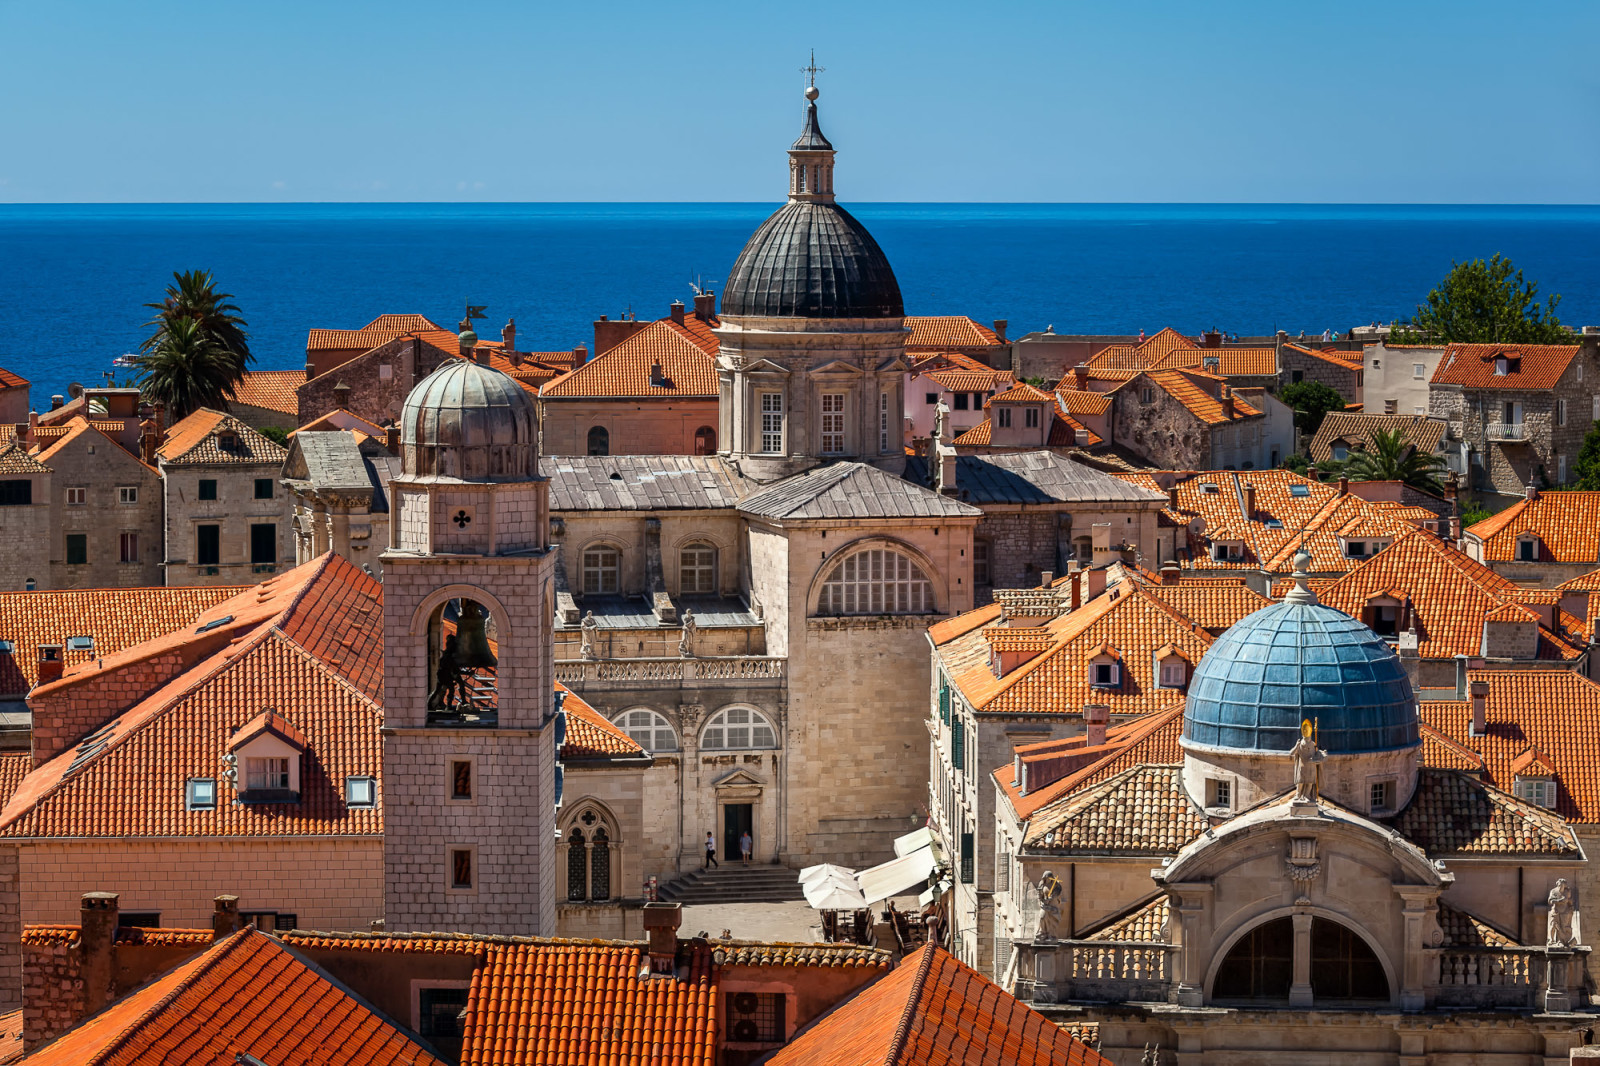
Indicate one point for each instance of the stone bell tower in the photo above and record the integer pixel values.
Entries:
(470, 734)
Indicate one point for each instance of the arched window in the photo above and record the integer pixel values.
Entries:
(737, 728)
(599, 441)
(1343, 967)
(577, 887)
(1260, 967)
(697, 569)
(705, 441)
(648, 729)
(602, 571)
(876, 581)
(600, 865)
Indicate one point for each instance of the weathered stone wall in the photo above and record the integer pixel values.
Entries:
(235, 511)
(379, 381)
(1163, 431)
(1296, 366)
(625, 532)
(634, 427)
(93, 462)
(25, 530)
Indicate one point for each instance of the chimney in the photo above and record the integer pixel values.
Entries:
(33, 424)
(341, 396)
(1311, 474)
(96, 945)
(1249, 500)
(391, 439)
(1047, 578)
(608, 333)
(508, 336)
(20, 431)
(1077, 591)
(1097, 582)
(1172, 498)
(224, 918)
(580, 355)
(661, 921)
(1227, 403)
(677, 311)
(50, 663)
(311, 371)
(1000, 325)
(148, 442)
(1171, 574)
(1480, 707)
(1104, 552)
(1531, 492)
(57, 401)
(1095, 718)
(705, 305)
(1455, 530)
(1213, 339)
(1080, 378)
(1344, 485)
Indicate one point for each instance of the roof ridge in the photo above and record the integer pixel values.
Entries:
(311, 658)
(902, 1032)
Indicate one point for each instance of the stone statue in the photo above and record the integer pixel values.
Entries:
(690, 629)
(1306, 757)
(591, 630)
(449, 689)
(940, 413)
(1049, 893)
(1559, 931)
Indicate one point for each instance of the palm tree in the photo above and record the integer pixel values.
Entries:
(1391, 458)
(186, 369)
(215, 329)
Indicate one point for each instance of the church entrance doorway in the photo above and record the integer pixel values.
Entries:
(737, 820)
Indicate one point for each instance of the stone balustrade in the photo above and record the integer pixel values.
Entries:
(1058, 971)
(588, 672)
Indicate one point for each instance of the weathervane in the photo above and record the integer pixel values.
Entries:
(811, 71)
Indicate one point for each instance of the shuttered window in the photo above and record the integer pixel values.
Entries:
(966, 858)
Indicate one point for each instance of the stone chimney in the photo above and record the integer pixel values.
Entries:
(705, 305)
(57, 401)
(149, 441)
(1480, 707)
(1077, 591)
(1344, 485)
(1531, 491)
(1000, 325)
(311, 371)
(657, 378)
(661, 921)
(1096, 716)
(1105, 553)
(1080, 378)
(1047, 578)
(1172, 498)
(508, 336)
(224, 918)
(51, 663)
(341, 396)
(391, 439)
(676, 311)
(1171, 573)
(1311, 473)
(96, 948)
(1227, 403)
(942, 453)
(1249, 500)
(580, 355)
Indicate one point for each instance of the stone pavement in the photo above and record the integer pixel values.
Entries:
(793, 923)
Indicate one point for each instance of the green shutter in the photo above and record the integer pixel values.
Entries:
(958, 746)
(966, 858)
(944, 702)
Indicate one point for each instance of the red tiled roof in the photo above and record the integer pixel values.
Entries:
(1529, 366)
(1152, 740)
(1021, 392)
(1583, 582)
(1453, 813)
(1214, 606)
(380, 330)
(1065, 429)
(1076, 402)
(8, 380)
(76, 428)
(1231, 362)
(1567, 525)
(687, 369)
(923, 362)
(934, 1011)
(14, 459)
(338, 419)
(947, 331)
(195, 440)
(10, 1037)
(589, 734)
(1181, 386)
(964, 380)
(1358, 430)
(270, 390)
(1342, 359)
(246, 995)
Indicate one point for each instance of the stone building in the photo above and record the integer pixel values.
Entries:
(266, 398)
(1396, 378)
(959, 382)
(1187, 420)
(227, 520)
(1519, 411)
(1541, 541)
(14, 405)
(1023, 418)
(1289, 854)
(1343, 433)
(338, 481)
(1340, 370)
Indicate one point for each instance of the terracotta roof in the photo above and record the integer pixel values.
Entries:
(196, 441)
(1146, 923)
(380, 330)
(1530, 366)
(947, 331)
(14, 459)
(76, 429)
(557, 1004)
(1214, 606)
(10, 1037)
(8, 380)
(1358, 430)
(1450, 592)
(1462, 930)
(117, 619)
(590, 735)
(1342, 359)
(978, 435)
(339, 419)
(1231, 362)
(1441, 750)
(687, 369)
(248, 995)
(1163, 343)
(1023, 638)
(923, 362)
(1181, 386)
(934, 1010)
(1567, 525)
(1076, 402)
(1140, 811)
(1453, 813)
(962, 380)
(270, 390)
(1021, 392)
(1151, 740)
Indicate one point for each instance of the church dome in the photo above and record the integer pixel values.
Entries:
(470, 422)
(1296, 660)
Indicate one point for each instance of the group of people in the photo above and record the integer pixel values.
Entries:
(746, 846)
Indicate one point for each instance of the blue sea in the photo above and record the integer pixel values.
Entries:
(73, 278)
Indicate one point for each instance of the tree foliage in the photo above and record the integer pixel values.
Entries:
(1389, 457)
(1484, 303)
(198, 350)
(1586, 471)
(1311, 401)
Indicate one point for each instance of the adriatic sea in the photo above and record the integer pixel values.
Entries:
(73, 278)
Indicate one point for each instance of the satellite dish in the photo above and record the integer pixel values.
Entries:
(75, 390)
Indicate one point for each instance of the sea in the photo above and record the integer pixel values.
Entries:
(74, 279)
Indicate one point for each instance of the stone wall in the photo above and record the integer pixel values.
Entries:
(100, 466)
(63, 715)
(1163, 431)
(25, 530)
(235, 511)
(634, 427)
(1296, 366)
(379, 381)
(625, 531)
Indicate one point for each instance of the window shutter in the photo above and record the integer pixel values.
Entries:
(1002, 877)
(944, 702)
(1002, 955)
(958, 746)
(966, 858)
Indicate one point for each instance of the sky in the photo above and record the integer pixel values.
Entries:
(1202, 101)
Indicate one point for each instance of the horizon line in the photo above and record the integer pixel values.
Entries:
(693, 203)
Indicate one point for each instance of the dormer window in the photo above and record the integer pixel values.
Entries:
(1537, 790)
(1527, 550)
(1341, 451)
(1172, 669)
(1105, 667)
(1502, 365)
(1356, 549)
(266, 758)
(1227, 551)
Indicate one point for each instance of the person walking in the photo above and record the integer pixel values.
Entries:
(746, 846)
(711, 852)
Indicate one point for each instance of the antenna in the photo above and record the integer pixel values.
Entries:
(699, 283)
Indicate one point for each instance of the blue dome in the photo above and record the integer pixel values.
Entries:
(1293, 661)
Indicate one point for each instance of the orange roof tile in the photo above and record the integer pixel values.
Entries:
(1076, 402)
(247, 995)
(960, 379)
(76, 429)
(8, 380)
(380, 330)
(10, 1037)
(1151, 740)
(1231, 362)
(1021, 392)
(590, 735)
(1215, 607)
(1584, 582)
(934, 1010)
(1143, 810)
(1064, 431)
(1567, 525)
(686, 368)
(923, 362)
(1529, 366)
(1181, 386)
(947, 331)
(338, 419)
(270, 390)
(1453, 813)
(14, 459)
(196, 440)
(1342, 359)
(1163, 343)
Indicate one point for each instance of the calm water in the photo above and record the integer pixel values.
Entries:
(73, 278)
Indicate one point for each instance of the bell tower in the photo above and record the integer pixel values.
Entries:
(470, 736)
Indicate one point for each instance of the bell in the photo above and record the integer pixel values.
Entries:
(472, 646)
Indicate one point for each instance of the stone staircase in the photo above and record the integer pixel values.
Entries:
(734, 883)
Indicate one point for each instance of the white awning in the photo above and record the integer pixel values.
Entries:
(898, 876)
(920, 838)
(831, 895)
(823, 871)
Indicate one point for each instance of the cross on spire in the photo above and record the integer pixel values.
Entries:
(812, 70)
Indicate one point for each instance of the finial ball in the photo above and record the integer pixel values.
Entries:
(811, 92)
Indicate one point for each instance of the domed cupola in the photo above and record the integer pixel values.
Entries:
(467, 421)
(811, 258)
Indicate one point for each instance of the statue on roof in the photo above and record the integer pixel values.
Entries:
(1558, 932)
(690, 629)
(1306, 769)
(590, 628)
(1048, 891)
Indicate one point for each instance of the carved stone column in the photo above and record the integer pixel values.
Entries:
(1300, 990)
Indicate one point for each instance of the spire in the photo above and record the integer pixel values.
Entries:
(811, 155)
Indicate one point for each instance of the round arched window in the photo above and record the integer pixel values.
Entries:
(737, 728)
(876, 581)
(649, 730)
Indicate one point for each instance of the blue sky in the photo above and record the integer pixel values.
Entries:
(1132, 100)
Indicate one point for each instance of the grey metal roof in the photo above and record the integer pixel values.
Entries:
(638, 482)
(812, 260)
(634, 612)
(851, 490)
(811, 138)
(333, 460)
(1032, 477)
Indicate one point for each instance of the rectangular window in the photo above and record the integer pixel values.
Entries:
(77, 496)
(1561, 412)
(1002, 872)
(77, 549)
(460, 868)
(269, 773)
(1219, 793)
(17, 493)
(1526, 552)
(200, 794)
(944, 702)
(1104, 675)
(460, 779)
(832, 423)
(360, 791)
(1561, 469)
(1173, 674)
(961, 401)
(1031, 417)
(208, 545)
(440, 1010)
(930, 398)
(697, 570)
(980, 562)
(756, 1017)
(1002, 955)
(1382, 797)
(128, 547)
(127, 494)
(208, 488)
(1296, 376)
(1003, 418)
(263, 488)
(138, 919)
(1147, 395)
(772, 423)
(601, 571)
(1419, 370)
(966, 859)
(883, 421)
(264, 542)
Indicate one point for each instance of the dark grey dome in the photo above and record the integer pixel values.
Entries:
(469, 422)
(812, 260)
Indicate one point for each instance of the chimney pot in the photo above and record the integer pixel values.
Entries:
(1096, 716)
(51, 663)
(391, 439)
(705, 305)
(1249, 500)
(1080, 378)
(1311, 474)
(1047, 578)
(508, 336)
(1171, 574)
(311, 371)
(580, 355)
(1531, 492)
(57, 401)
(661, 922)
(1077, 591)
(224, 918)
(677, 311)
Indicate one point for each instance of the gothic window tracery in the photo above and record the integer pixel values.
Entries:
(589, 844)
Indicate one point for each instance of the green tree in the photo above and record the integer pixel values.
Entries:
(276, 434)
(1390, 457)
(198, 323)
(1484, 303)
(1311, 400)
(1586, 471)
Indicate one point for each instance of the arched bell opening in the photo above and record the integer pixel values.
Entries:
(463, 664)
